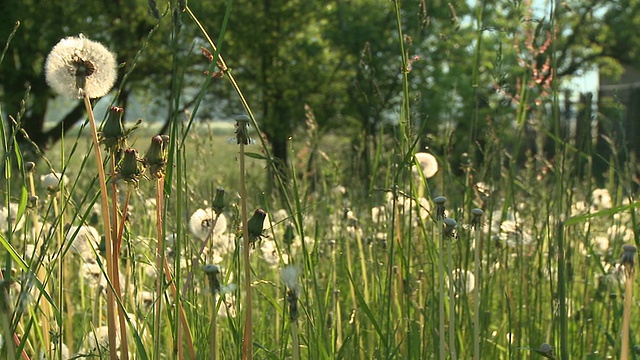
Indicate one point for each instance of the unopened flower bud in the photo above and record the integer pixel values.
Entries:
(242, 129)
(130, 169)
(218, 201)
(449, 227)
(156, 156)
(629, 258)
(440, 209)
(476, 220)
(30, 166)
(113, 134)
(255, 225)
(212, 272)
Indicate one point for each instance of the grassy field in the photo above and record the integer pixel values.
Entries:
(134, 252)
(380, 273)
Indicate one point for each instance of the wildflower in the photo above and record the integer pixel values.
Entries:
(601, 199)
(97, 342)
(53, 181)
(463, 281)
(156, 156)
(91, 272)
(512, 234)
(201, 224)
(64, 352)
(83, 240)
(428, 164)
(600, 244)
(78, 67)
(289, 276)
(270, 253)
(379, 214)
(8, 218)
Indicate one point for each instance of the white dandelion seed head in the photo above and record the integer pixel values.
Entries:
(65, 351)
(463, 281)
(97, 340)
(201, 222)
(428, 163)
(77, 66)
(8, 217)
(289, 276)
(601, 199)
(270, 253)
(52, 181)
(83, 240)
(600, 244)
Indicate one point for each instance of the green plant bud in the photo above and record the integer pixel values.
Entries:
(130, 167)
(113, 134)
(218, 201)
(156, 156)
(255, 225)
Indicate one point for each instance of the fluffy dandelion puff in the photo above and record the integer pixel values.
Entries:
(463, 281)
(428, 163)
(601, 199)
(289, 276)
(52, 181)
(8, 217)
(97, 341)
(201, 222)
(77, 66)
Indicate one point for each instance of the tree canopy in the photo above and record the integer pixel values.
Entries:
(340, 59)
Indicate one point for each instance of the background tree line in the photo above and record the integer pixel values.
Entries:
(475, 68)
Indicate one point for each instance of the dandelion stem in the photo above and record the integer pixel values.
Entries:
(247, 343)
(626, 318)
(476, 296)
(295, 343)
(115, 260)
(160, 258)
(441, 310)
(104, 202)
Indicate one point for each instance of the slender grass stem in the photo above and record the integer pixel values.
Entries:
(295, 342)
(626, 318)
(477, 260)
(247, 342)
(104, 202)
(160, 259)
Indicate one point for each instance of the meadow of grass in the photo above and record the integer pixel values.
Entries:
(498, 259)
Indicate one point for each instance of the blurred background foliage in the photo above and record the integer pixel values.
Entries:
(478, 70)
